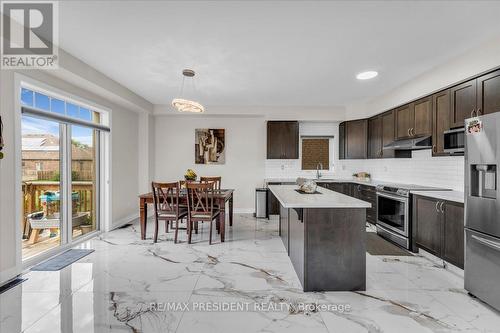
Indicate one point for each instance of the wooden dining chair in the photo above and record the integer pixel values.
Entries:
(201, 207)
(216, 180)
(166, 205)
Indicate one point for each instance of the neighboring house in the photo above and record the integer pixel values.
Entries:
(40, 158)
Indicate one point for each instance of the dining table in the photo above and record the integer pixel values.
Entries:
(220, 198)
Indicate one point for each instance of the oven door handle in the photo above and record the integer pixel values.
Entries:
(394, 197)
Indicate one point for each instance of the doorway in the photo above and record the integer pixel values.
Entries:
(61, 174)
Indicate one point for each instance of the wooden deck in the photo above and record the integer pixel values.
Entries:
(45, 243)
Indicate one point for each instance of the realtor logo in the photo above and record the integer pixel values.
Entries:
(29, 35)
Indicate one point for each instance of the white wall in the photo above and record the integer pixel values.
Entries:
(304, 113)
(245, 153)
(480, 59)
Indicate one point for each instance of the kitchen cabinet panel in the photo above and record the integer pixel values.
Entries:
(282, 140)
(422, 117)
(296, 241)
(440, 228)
(429, 224)
(404, 116)
(388, 133)
(441, 121)
(488, 93)
(453, 247)
(375, 137)
(356, 139)
(463, 103)
(284, 228)
(342, 141)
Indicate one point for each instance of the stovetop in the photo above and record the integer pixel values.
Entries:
(406, 189)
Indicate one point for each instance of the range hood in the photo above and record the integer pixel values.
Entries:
(424, 142)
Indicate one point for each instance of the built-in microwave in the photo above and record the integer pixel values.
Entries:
(454, 141)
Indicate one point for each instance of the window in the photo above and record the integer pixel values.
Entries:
(315, 151)
(47, 103)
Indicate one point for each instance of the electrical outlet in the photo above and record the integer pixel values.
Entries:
(282, 167)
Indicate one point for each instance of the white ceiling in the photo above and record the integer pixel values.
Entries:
(271, 53)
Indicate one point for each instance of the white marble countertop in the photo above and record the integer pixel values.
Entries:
(455, 196)
(371, 182)
(289, 198)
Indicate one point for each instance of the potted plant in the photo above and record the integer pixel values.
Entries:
(86, 226)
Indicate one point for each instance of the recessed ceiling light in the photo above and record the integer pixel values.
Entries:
(366, 75)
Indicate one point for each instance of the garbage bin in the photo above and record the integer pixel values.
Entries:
(261, 202)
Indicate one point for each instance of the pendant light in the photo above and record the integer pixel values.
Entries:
(183, 103)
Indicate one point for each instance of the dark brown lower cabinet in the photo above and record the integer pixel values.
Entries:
(440, 228)
(296, 239)
(273, 205)
(429, 224)
(362, 192)
(453, 248)
(284, 227)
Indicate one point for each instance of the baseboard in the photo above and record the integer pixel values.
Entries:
(127, 219)
(8, 275)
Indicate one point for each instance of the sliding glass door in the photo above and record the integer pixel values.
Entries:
(41, 185)
(60, 172)
(84, 179)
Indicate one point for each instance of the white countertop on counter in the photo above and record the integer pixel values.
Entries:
(330, 180)
(289, 198)
(455, 196)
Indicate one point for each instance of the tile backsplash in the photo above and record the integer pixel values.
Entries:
(421, 169)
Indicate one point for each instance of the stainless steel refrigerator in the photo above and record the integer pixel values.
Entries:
(482, 208)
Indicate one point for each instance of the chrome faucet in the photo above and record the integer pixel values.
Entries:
(318, 172)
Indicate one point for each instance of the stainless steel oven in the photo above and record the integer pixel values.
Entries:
(454, 141)
(393, 218)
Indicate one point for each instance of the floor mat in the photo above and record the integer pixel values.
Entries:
(62, 260)
(377, 246)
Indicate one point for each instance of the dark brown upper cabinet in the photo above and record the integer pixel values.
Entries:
(488, 93)
(342, 140)
(388, 133)
(463, 103)
(356, 139)
(441, 121)
(282, 139)
(414, 119)
(422, 117)
(375, 137)
(403, 121)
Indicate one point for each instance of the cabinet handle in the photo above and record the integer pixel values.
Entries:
(434, 148)
(437, 209)
(359, 188)
(441, 207)
(478, 112)
(412, 131)
(472, 113)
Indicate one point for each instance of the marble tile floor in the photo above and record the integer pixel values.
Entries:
(246, 284)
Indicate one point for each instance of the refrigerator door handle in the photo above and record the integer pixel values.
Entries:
(487, 242)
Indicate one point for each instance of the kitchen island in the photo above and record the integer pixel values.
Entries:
(324, 235)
